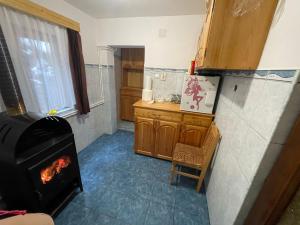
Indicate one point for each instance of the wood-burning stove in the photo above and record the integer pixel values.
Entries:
(39, 168)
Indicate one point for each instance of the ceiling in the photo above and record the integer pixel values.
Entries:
(138, 8)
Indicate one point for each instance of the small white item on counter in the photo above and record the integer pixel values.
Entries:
(147, 95)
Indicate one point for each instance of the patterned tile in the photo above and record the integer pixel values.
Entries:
(164, 193)
(76, 214)
(133, 210)
(185, 218)
(159, 214)
(123, 188)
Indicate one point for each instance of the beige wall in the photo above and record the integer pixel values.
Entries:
(175, 47)
(282, 47)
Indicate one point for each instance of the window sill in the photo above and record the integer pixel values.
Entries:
(74, 112)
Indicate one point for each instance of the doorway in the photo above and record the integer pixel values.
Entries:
(129, 83)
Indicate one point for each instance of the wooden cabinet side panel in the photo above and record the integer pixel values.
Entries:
(237, 41)
(203, 38)
(144, 136)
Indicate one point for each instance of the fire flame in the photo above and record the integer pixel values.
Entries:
(56, 167)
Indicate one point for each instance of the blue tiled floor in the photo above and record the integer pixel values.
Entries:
(123, 188)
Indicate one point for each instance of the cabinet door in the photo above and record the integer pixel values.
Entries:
(127, 110)
(144, 136)
(202, 42)
(192, 135)
(237, 34)
(166, 137)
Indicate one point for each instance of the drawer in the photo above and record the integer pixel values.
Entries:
(156, 114)
(197, 120)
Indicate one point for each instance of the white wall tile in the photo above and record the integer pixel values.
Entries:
(247, 119)
(227, 190)
(289, 117)
(165, 88)
(88, 128)
(252, 149)
(269, 107)
(253, 98)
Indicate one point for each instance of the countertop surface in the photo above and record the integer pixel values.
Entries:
(166, 106)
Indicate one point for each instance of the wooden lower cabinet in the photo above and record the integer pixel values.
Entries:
(144, 136)
(192, 135)
(166, 137)
(158, 127)
(127, 110)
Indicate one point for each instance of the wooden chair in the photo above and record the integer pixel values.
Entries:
(195, 157)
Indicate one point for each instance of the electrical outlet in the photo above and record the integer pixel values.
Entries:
(163, 76)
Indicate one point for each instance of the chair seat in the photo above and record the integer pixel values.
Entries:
(188, 155)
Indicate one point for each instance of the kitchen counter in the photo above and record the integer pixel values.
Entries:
(167, 106)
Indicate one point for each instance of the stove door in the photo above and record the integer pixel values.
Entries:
(54, 173)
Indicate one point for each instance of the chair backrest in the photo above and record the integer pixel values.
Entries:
(210, 143)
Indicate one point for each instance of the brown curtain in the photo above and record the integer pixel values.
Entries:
(78, 72)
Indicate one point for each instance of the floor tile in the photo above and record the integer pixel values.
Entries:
(159, 214)
(185, 218)
(74, 214)
(133, 210)
(190, 201)
(156, 220)
(110, 203)
(164, 193)
(124, 188)
(103, 219)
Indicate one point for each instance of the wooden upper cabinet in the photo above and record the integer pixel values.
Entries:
(133, 58)
(166, 137)
(234, 34)
(144, 136)
(192, 135)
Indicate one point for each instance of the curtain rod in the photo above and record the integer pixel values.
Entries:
(41, 12)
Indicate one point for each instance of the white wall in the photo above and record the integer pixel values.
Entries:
(88, 128)
(282, 47)
(87, 26)
(248, 120)
(255, 122)
(175, 50)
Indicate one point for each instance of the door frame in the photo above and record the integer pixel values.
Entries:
(281, 184)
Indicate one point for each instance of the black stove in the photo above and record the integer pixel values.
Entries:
(39, 168)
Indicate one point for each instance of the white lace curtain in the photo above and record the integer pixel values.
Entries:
(39, 51)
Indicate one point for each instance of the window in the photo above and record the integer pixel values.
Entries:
(40, 56)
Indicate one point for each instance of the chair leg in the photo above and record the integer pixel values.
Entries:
(200, 181)
(172, 172)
